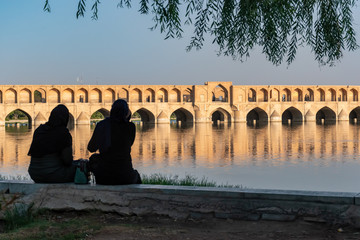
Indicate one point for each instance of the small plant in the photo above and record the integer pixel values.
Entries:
(19, 215)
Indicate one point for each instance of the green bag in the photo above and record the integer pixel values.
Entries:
(81, 174)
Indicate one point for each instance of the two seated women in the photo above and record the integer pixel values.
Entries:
(51, 149)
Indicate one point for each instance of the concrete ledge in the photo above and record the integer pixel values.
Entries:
(192, 202)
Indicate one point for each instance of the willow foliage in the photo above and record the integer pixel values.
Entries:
(237, 26)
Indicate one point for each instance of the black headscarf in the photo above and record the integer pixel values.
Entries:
(53, 136)
(101, 138)
(120, 111)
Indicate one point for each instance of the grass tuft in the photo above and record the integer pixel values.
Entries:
(17, 216)
(188, 180)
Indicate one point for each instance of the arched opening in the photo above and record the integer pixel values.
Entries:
(149, 95)
(291, 115)
(257, 117)
(39, 96)
(25, 96)
(181, 116)
(135, 96)
(342, 95)
(263, 97)
(174, 95)
(18, 118)
(95, 96)
(286, 95)
(82, 96)
(309, 96)
(123, 94)
(219, 94)
(109, 96)
(220, 116)
(162, 95)
(143, 116)
(187, 95)
(321, 95)
(252, 95)
(54, 96)
(332, 95)
(354, 116)
(68, 96)
(1, 97)
(275, 95)
(298, 95)
(354, 96)
(99, 115)
(325, 116)
(10, 96)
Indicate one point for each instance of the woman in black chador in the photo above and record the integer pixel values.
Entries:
(51, 150)
(113, 137)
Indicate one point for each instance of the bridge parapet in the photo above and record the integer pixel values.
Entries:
(212, 102)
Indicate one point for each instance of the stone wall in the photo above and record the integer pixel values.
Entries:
(191, 202)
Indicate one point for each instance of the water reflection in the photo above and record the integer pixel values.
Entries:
(276, 155)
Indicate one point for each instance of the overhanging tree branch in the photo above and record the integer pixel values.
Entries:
(237, 26)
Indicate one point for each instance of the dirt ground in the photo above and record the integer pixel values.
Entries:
(93, 226)
(163, 228)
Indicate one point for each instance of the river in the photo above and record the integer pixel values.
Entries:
(275, 156)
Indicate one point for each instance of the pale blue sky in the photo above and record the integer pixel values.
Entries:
(56, 48)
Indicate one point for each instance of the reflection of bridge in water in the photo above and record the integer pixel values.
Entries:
(213, 101)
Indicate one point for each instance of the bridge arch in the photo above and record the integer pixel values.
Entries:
(275, 95)
(28, 116)
(354, 95)
(252, 95)
(162, 95)
(342, 95)
(220, 114)
(331, 95)
(187, 95)
(321, 95)
(264, 96)
(123, 94)
(354, 115)
(258, 115)
(298, 95)
(95, 95)
(219, 94)
(54, 96)
(10, 96)
(146, 115)
(68, 96)
(25, 95)
(326, 115)
(109, 96)
(40, 96)
(175, 95)
(292, 114)
(149, 95)
(135, 95)
(309, 95)
(286, 95)
(82, 96)
(183, 115)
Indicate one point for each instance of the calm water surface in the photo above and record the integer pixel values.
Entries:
(276, 156)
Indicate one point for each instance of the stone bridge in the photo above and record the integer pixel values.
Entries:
(211, 102)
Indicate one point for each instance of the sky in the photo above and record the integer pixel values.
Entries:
(56, 48)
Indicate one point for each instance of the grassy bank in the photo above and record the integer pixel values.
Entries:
(157, 179)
